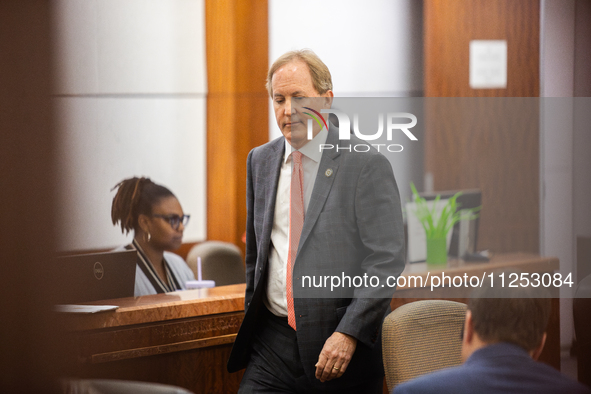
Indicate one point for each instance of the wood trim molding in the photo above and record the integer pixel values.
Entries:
(236, 33)
(161, 349)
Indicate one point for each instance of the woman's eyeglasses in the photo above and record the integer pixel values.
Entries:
(174, 220)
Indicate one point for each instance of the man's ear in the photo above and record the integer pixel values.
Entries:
(328, 99)
(468, 336)
(468, 328)
(535, 354)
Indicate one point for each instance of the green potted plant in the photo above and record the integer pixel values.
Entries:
(437, 225)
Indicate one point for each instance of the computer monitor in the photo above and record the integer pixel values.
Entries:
(96, 276)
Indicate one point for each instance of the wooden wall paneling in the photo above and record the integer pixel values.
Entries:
(491, 144)
(237, 108)
(450, 25)
(30, 359)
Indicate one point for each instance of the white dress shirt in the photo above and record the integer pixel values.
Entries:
(276, 299)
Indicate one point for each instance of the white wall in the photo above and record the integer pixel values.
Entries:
(372, 48)
(131, 102)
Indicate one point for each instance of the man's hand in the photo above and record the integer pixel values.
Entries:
(335, 356)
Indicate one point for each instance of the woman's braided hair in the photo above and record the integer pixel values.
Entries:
(135, 196)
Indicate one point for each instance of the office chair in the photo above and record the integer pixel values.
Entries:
(581, 308)
(113, 386)
(421, 337)
(220, 262)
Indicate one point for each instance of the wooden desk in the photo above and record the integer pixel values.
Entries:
(181, 338)
(185, 338)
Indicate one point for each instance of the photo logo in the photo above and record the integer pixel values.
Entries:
(392, 124)
(310, 134)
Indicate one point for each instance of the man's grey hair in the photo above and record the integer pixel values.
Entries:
(321, 78)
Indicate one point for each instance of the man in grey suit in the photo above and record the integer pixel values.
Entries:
(344, 220)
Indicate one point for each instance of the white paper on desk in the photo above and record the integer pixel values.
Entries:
(70, 308)
(417, 240)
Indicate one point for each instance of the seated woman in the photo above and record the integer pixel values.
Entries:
(157, 220)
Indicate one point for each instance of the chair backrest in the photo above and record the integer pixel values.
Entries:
(421, 337)
(113, 386)
(582, 320)
(220, 262)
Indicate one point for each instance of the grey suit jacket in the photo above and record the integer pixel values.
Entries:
(353, 226)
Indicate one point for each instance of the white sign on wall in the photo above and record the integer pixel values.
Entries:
(488, 64)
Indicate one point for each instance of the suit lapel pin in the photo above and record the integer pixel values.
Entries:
(328, 173)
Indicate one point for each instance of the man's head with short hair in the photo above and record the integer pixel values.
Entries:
(514, 315)
(299, 83)
(321, 78)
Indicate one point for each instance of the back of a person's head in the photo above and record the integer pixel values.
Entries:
(514, 315)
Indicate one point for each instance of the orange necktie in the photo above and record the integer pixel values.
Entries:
(296, 223)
